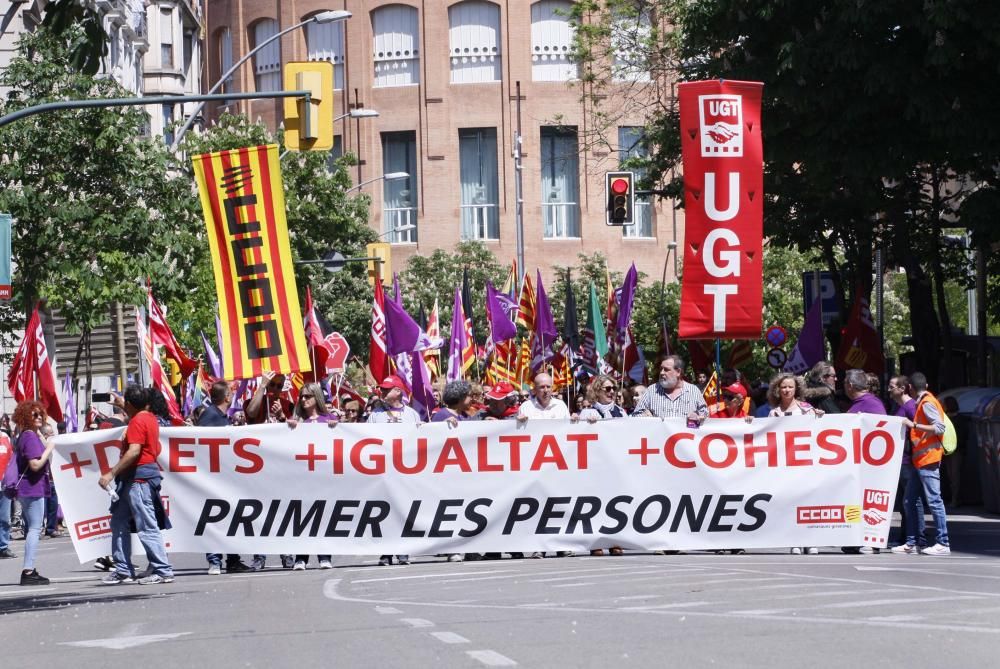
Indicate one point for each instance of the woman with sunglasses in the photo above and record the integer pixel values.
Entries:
(311, 408)
(603, 393)
(33, 455)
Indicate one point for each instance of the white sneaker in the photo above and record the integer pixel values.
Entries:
(456, 557)
(866, 550)
(796, 551)
(325, 564)
(936, 550)
(812, 550)
(904, 549)
(299, 565)
(214, 570)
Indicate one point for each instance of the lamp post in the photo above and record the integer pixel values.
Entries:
(390, 176)
(328, 16)
(401, 228)
(354, 113)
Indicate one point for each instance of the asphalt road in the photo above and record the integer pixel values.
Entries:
(764, 609)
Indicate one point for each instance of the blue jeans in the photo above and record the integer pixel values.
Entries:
(913, 507)
(33, 510)
(927, 479)
(4, 521)
(216, 558)
(52, 510)
(136, 504)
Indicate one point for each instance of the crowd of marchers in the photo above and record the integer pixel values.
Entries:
(28, 501)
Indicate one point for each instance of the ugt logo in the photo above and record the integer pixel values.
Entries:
(721, 126)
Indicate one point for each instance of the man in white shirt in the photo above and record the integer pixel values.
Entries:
(542, 404)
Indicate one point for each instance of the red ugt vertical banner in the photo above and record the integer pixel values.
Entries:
(722, 290)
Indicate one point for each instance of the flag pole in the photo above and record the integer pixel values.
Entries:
(718, 368)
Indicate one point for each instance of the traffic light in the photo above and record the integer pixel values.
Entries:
(309, 128)
(381, 269)
(620, 188)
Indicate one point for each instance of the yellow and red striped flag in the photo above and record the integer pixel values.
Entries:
(526, 305)
(243, 201)
(432, 357)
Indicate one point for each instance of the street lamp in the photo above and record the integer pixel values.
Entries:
(354, 113)
(406, 227)
(328, 16)
(390, 176)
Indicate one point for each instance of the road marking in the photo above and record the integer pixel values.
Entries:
(417, 622)
(476, 578)
(742, 579)
(896, 619)
(573, 585)
(121, 643)
(856, 604)
(262, 575)
(449, 637)
(435, 575)
(491, 658)
(387, 610)
(927, 571)
(562, 578)
(631, 597)
(663, 607)
(24, 593)
(840, 593)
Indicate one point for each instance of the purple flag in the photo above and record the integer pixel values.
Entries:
(218, 341)
(70, 413)
(458, 339)
(502, 327)
(397, 292)
(422, 390)
(214, 362)
(627, 298)
(545, 325)
(809, 349)
(402, 332)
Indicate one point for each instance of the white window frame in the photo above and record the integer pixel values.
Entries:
(629, 146)
(479, 220)
(325, 41)
(400, 214)
(560, 211)
(552, 42)
(267, 61)
(474, 42)
(396, 46)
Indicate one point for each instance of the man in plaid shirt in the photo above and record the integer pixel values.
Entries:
(671, 396)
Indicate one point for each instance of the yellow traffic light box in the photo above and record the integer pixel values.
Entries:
(381, 269)
(309, 126)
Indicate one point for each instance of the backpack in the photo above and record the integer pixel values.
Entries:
(949, 440)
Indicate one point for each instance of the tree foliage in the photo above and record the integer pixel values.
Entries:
(96, 207)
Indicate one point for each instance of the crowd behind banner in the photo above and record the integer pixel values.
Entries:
(133, 482)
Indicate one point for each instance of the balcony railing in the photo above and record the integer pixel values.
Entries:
(561, 220)
(480, 221)
(397, 224)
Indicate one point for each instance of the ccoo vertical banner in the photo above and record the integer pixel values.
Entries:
(6, 292)
(722, 290)
(243, 200)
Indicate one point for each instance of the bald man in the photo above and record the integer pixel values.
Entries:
(542, 404)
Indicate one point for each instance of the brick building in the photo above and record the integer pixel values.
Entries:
(443, 77)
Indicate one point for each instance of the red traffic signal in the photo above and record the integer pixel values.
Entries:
(620, 188)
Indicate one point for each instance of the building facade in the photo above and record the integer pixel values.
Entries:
(443, 77)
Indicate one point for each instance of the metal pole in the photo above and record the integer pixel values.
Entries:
(519, 189)
(142, 102)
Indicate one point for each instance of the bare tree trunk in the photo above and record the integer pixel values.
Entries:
(946, 377)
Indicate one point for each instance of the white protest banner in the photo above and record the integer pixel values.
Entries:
(639, 483)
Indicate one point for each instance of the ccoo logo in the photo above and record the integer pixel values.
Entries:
(721, 125)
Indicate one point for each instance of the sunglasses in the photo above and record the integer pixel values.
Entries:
(37, 414)
(306, 397)
(608, 389)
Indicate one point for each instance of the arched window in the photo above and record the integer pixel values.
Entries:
(474, 37)
(630, 34)
(552, 41)
(325, 41)
(267, 61)
(397, 46)
(224, 40)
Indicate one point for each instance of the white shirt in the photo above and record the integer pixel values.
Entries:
(403, 414)
(556, 409)
(797, 409)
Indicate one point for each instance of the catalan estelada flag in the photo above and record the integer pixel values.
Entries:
(244, 205)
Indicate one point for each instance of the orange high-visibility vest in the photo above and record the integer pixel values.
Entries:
(927, 447)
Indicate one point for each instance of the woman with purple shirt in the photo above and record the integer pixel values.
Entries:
(906, 407)
(457, 398)
(33, 486)
(311, 408)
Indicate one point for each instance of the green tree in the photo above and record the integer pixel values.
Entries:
(97, 208)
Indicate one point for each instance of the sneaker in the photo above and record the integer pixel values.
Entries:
(936, 550)
(812, 550)
(258, 564)
(214, 569)
(866, 550)
(384, 560)
(115, 578)
(104, 563)
(904, 549)
(325, 564)
(456, 557)
(299, 565)
(538, 555)
(33, 578)
(796, 551)
(403, 559)
(155, 579)
(238, 568)
(287, 561)
(7, 554)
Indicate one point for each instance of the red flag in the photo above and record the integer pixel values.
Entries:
(33, 359)
(722, 291)
(318, 351)
(432, 356)
(860, 347)
(161, 335)
(159, 377)
(378, 352)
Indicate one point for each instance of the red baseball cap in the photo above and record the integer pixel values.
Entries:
(500, 391)
(394, 381)
(735, 389)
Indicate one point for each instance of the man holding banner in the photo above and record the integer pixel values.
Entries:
(672, 396)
